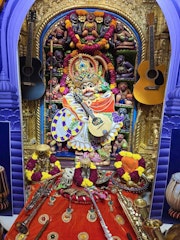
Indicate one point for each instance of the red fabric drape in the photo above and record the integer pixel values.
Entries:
(79, 222)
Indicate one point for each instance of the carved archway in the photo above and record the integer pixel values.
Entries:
(11, 25)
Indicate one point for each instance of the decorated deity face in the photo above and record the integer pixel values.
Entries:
(82, 18)
(85, 163)
(120, 137)
(99, 19)
(90, 17)
(119, 27)
(122, 86)
(74, 18)
(107, 20)
(88, 89)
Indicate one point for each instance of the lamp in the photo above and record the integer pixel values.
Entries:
(4, 189)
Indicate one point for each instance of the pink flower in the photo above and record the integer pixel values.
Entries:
(93, 175)
(31, 164)
(36, 176)
(120, 171)
(52, 159)
(134, 176)
(54, 171)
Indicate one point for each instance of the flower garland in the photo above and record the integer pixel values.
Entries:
(110, 66)
(63, 84)
(89, 48)
(85, 182)
(33, 174)
(130, 167)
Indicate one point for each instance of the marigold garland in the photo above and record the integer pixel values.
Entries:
(84, 47)
(33, 175)
(85, 182)
(129, 166)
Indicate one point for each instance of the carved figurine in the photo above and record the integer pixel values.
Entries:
(75, 123)
(76, 26)
(124, 94)
(124, 69)
(122, 38)
(59, 34)
(123, 112)
(119, 144)
(105, 26)
(55, 62)
(90, 26)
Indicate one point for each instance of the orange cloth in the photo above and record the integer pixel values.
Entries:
(78, 223)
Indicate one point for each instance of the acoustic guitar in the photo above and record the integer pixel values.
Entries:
(99, 124)
(150, 87)
(32, 86)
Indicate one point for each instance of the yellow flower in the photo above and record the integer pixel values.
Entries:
(136, 156)
(129, 154)
(45, 175)
(126, 176)
(34, 156)
(78, 165)
(29, 174)
(113, 22)
(140, 170)
(62, 89)
(112, 85)
(57, 164)
(65, 70)
(102, 42)
(123, 153)
(110, 66)
(92, 165)
(86, 183)
(74, 53)
(118, 164)
(68, 23)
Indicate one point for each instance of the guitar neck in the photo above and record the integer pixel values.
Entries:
(29, 45)
(88, 110)
(151, 47)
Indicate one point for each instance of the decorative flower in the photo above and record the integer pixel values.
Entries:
(97, 45)
(34, 174)
(85, 182)
(129, 166)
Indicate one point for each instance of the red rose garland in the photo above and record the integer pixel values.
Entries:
(85, 182)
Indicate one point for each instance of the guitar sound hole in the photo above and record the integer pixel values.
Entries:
(96, 121)
(27, 71)
(152, 73)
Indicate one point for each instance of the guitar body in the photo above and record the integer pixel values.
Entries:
(150, 88)
(32, 86)
(100, 125)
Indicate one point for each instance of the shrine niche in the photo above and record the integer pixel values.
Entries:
(91, 54)
(90, 59)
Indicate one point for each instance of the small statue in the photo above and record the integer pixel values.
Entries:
(90, 26)
(105, 26)
(124, 92)
(123, 112)
(75, 24)
(53, 93)
(124, 69)
(119, 144)
(122, 38)
(59, 34)
(55, 62)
